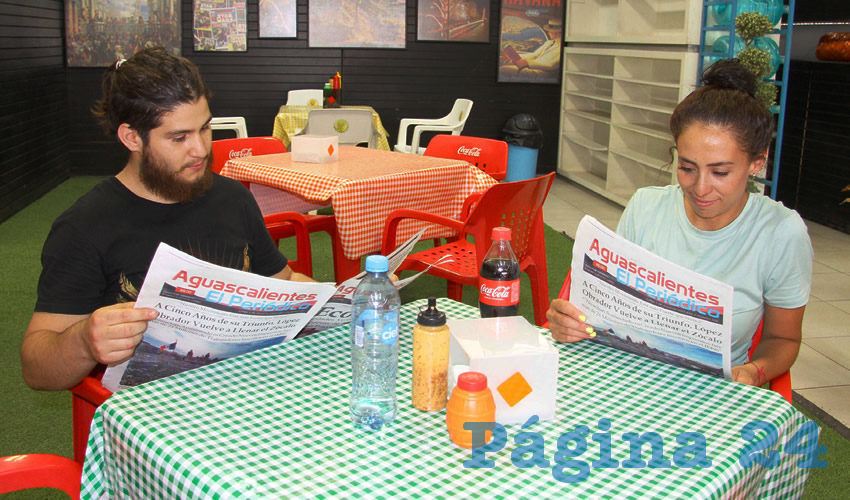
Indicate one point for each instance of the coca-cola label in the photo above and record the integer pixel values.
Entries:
(463, 150)
(498, 293)
(240, 154)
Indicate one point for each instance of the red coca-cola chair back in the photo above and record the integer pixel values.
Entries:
(490, 155)
(780, 384)
(226, 149)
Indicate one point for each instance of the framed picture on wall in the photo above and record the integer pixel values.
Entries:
(453, 20)
(220, 25)
(530, 42)
(278, 19)
(357, 23)
(99, 33)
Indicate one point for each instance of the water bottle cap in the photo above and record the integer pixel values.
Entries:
(472, 381)
(501, 233)
(377, 264)
(430, 316)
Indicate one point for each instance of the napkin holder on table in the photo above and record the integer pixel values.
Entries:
(311, 148)
(520, 363)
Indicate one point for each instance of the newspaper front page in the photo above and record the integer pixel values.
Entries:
(208, 313)
(639, 302)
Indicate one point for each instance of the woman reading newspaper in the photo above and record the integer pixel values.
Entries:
(710, 224)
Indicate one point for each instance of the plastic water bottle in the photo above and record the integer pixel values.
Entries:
(374, 347)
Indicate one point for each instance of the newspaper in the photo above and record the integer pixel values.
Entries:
(639, 302)
(209, 313)
(337, 311)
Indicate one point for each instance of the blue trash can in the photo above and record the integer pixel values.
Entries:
(524, 138)
(522, 163)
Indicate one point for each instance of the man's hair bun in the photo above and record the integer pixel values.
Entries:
(730, 74)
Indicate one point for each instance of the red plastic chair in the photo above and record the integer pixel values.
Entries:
(517, 205)
(780, 384)
(85, 398)
(489, 155)
(21, 472)
(284, 224)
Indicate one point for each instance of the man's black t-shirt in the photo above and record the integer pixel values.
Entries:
(98, 251)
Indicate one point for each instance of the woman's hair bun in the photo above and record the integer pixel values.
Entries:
(730, 74)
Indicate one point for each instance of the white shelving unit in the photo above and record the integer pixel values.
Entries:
(674, 22)
(616, 106)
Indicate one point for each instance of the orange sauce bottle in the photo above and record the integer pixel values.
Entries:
(471, 401)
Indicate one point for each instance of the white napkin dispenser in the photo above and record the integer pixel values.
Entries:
(312, 148)
(520, 363)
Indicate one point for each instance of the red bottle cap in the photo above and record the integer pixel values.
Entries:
(501, 233)
(472, 381)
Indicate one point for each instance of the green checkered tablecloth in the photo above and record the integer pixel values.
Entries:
(274, 424)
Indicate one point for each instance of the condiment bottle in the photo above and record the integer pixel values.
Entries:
(430, 359)
(471, 401)
(326, 94)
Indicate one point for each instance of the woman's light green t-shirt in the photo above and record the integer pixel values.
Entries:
(765, 253)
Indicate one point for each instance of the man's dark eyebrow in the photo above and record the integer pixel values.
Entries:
(181, 132)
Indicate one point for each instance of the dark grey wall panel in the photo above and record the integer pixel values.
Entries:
(816, 139)
(33, 108)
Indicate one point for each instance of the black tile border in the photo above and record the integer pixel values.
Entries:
(823, 416)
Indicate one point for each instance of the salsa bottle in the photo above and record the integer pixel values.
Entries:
(430, 359)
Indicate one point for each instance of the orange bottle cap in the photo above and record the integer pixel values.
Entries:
(472, 381)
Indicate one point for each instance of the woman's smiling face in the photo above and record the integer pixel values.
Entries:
(713, 171)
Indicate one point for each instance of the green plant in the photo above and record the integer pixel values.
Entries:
(749, 26)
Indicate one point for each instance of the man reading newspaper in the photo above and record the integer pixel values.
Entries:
(97, 253)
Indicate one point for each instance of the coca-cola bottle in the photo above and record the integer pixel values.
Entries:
(498, 283)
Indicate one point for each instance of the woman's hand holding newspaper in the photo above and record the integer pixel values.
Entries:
(567, 323)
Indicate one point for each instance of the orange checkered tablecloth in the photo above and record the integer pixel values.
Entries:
(292, 119)
(365, 185)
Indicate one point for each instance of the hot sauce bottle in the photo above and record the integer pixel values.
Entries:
(471, 401)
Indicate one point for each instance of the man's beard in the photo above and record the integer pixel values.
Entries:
(159, 179)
